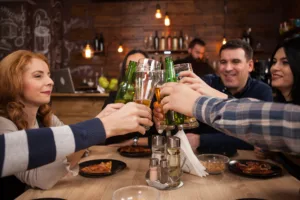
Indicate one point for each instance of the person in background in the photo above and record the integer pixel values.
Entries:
(197, 58)
(234, 82)
(285, 76)
(125, 140)
(24, 105)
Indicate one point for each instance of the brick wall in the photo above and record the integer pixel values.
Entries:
(131, 21)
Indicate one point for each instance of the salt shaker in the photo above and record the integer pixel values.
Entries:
(164, 174)
(153, 169)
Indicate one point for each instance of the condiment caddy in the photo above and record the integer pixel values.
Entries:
(165, 169)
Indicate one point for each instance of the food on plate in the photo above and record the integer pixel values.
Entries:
(103, 167)
(255, 168)
(133, 149)
(215, 166)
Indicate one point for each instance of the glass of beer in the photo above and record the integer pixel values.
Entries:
(145, 84)
(189, 122)
(161, 81)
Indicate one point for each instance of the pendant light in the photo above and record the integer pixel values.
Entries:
(88, 51)
(224, 40)
(167, 20)
(120, 49)
(158, 13)
(224, 26)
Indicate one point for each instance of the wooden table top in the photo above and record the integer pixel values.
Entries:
(213, 187)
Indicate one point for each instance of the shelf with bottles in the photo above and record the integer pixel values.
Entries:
(166, 52)
(166, 44)
(289, 28)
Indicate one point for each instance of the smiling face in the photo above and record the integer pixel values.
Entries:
(37, 84)
(282, 75)
(234, 69)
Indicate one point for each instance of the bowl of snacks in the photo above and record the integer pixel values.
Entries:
(214, 163)
(136, 192)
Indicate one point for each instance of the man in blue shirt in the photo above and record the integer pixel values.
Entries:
(234, 81)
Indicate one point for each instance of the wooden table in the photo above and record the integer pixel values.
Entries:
(213, 187)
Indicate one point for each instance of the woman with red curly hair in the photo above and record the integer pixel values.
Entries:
(25, 91)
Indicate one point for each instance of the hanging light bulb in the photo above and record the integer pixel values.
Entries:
(224, 40)
(120, 49)
(88, 51)
(167, 20)
(157, 14)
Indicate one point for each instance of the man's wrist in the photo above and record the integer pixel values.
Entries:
(108, 127)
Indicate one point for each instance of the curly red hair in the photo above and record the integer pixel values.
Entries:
(12, 68)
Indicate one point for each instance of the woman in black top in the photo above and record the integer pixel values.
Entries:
(285, 76)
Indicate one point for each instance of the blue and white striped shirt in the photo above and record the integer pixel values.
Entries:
(28, 149)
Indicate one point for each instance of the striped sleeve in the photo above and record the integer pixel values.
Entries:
(270, 126)
(23, 150)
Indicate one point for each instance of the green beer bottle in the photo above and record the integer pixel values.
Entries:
(126, 88)
(172, 118)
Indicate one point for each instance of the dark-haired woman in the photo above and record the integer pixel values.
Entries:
(285, 75)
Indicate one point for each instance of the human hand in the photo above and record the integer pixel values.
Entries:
(74, 158)
(197, 84)
(178, 97)
(194, 140)
(131, 117)
(260, 153)
(110, 108)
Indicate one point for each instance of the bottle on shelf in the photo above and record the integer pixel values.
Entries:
(175, 42)
(125, 92)
(281, 31)
(151, 42)
(247, 36)
(169, 42)
(186, 41)
(101, 43)
(180, 41)
(162, 44)
(285, 27)
(96, 43)
(156, 41)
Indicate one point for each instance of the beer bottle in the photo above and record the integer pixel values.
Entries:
(172, 118)
(126, 88)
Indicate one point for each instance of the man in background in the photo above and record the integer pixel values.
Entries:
(197, 58)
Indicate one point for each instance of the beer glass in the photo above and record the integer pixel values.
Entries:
(161, 81)
(189, 122)
(145, 84)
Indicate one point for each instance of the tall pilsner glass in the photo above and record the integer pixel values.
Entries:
(189, 122)
(145, 84)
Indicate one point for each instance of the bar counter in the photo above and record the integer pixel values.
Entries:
(71, 108)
